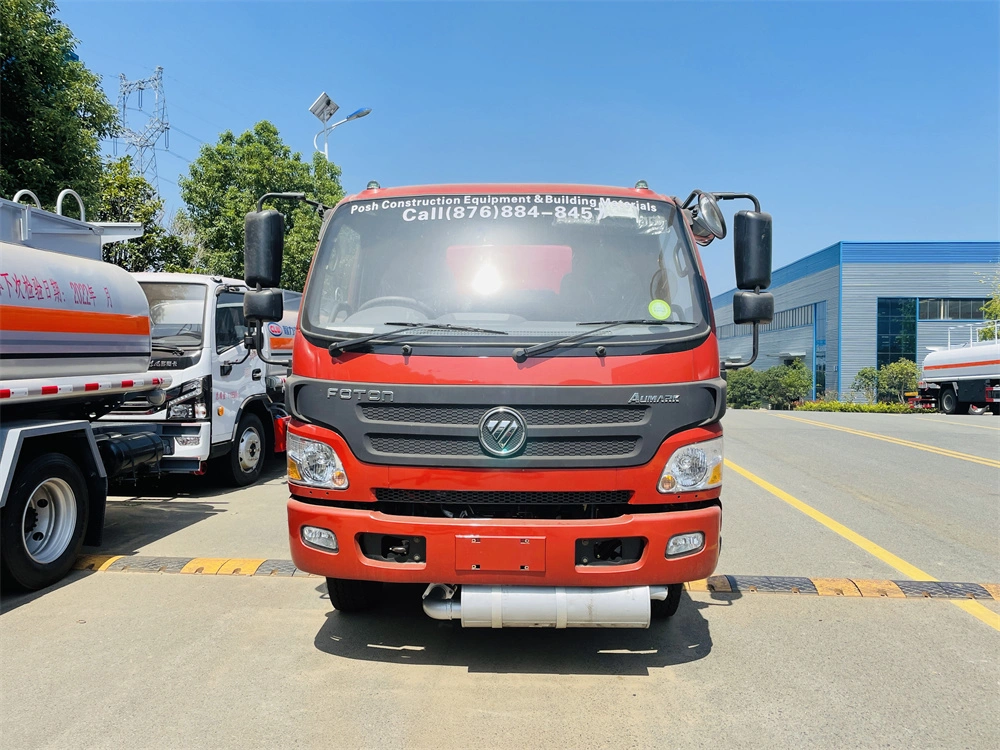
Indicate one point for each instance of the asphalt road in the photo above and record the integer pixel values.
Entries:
(150, 660)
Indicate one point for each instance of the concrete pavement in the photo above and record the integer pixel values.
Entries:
(170, 661)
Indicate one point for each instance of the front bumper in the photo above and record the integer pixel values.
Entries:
(554, 547)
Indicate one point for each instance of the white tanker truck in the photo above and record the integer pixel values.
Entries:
(74, 344)
(962, 376)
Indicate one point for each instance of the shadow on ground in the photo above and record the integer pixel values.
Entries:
(140, 514)
(399, 632)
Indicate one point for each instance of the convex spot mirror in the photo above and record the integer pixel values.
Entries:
(264, 242)
(707, 221)
(266, 305)
(753, 307)
(752, 249)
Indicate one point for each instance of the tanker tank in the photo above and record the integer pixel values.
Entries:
(67, 316)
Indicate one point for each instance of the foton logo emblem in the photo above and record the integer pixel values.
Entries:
(502, 431)
(361, 394)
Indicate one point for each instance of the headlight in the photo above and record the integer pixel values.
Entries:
(693, 467)
(188, 401)
(314, 463)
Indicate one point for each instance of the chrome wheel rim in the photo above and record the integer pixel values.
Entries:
(250, 450)
(49, 520)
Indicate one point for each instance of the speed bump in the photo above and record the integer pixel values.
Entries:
(717, 584)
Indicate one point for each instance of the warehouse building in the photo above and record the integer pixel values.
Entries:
(865, 304)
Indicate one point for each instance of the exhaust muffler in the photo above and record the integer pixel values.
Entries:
(542, 606)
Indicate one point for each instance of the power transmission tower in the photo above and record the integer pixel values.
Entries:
(142, 141)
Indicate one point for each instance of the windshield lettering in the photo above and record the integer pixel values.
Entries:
(531, 265)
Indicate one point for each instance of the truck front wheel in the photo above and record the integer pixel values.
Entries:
(42, 524)
(246, 457)
(352, 596)
(661, 609)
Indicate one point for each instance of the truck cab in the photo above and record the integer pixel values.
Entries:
(511, 394)
(225, 404)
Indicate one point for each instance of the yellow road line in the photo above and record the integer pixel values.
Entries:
(993, 463)
(975, 609)
(960, 424)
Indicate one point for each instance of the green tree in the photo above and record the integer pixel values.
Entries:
(991, 310)
(54, 110)
(743, 388)
(126, 196)
(795, 380)
(782, 385)
(225, 182)
(895, 379)
(866, 383)
(300, 241)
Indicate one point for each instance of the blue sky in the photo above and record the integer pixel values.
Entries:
(849, 120)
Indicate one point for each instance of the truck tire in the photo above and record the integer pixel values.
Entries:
(352, 596)
(995, 410)
(948, 401)
(246, 457)
(662, 609)
(43, 522)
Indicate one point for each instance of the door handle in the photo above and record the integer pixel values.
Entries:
(256, 374)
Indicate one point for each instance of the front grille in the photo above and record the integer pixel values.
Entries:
(419, 445)
(535, 416)
(471, 497)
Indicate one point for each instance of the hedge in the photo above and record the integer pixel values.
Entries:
(854, 407)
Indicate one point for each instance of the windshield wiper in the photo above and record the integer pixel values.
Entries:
(167, 348)
(406, 328)
(520, 355)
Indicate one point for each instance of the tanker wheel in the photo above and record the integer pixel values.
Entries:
(949, 401)
(246, 457)
(42, 524)
(995, 410)
(352, 596)
(661, 609)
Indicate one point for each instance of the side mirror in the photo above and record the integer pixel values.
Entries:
(266, 305)
(752, 307)
(707, 221)
(264, 244)
(752, 248)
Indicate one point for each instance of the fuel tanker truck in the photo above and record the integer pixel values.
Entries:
(962, 376)
(510, 394)
(74, 343)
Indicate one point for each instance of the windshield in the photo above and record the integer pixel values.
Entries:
(534, 265)
(177, 313)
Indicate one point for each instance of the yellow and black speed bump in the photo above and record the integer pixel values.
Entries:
(719, 584)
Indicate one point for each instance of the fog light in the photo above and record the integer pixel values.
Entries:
(315, 536)
(684, 544)
(187, 440)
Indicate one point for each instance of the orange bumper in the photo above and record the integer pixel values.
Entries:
(524, 552)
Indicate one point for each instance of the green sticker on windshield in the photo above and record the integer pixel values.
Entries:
(659, 309)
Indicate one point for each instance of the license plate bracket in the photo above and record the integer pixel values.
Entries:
(499, 554)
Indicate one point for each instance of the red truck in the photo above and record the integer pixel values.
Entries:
(511, 394)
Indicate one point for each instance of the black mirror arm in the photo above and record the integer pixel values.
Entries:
(291, 196)
(753, 357)
(737, 196)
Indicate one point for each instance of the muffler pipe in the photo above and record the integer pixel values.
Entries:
(544, 607)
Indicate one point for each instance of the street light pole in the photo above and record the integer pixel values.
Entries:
(324, 108)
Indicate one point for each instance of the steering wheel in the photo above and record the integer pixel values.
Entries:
(401, 301)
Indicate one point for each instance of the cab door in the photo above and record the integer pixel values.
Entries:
(235, 376)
